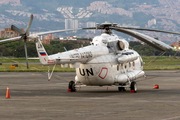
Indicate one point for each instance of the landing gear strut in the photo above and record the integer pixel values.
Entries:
(133, 86)
(121, 89)
(72, 86)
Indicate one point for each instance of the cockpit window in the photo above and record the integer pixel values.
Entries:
(104, 41)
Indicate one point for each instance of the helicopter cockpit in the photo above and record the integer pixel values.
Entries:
(111, 41)
(100, 40)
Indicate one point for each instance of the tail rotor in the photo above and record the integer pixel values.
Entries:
(24, 36)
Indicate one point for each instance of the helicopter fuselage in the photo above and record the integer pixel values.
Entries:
(105, 70)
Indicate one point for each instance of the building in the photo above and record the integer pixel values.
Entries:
(8, 33)
(71, 38)
(77, 41)
(71, 24)
(75, 24)
(176, 45)
(46, 41)
(51, 37)
(151, 22)
(68, 24)
(48, 38)
(137, 40)
(91, 24)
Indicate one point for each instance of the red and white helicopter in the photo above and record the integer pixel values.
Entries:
(108, 61)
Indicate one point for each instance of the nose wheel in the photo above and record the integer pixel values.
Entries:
(72, 86)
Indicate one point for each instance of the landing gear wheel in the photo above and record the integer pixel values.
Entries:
(133, 86)
(72, 86)
(121, 89)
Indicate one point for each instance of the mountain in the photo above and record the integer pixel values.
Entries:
(51, 14)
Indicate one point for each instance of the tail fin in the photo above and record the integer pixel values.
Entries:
(43, 56)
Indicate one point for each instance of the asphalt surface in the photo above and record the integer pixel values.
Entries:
(33, 97)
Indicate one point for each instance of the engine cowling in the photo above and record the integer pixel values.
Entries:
(123, 44)
(127, 57)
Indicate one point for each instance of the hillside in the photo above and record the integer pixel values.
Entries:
(50, 14)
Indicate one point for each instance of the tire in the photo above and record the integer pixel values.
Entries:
(133, 86)
(72, 86)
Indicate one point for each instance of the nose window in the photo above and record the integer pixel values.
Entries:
(104, 41)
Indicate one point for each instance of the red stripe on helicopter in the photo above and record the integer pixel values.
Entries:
(51, 61)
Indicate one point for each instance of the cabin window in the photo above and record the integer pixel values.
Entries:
(121, 66)
(133, 63)
(104, 41)
(141, 61)
(117, 67)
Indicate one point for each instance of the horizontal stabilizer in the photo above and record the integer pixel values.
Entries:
(68, 58)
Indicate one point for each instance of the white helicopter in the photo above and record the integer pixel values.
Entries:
(108, 61)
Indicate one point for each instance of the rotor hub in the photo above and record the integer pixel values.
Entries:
(106, 27)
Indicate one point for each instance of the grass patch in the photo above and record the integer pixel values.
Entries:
(20, 60)
(33, 68)
(161, 67)
(161, 61)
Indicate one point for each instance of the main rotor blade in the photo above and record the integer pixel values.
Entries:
(152, 30)
(29, 24)
(6, 42)
(149, 40)
(16, 29)
(11, 39)
(91, 28)
(56, 31)
(25, 48)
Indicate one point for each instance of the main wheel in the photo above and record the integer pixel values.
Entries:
(72, 86)
(133, 86)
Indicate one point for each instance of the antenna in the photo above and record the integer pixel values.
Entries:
(65, 49)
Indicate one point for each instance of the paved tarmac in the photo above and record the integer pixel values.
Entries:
(33, 97)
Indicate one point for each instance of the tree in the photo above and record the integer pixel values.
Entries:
(134, 43)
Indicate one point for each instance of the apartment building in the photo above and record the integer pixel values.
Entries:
(8, 33)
